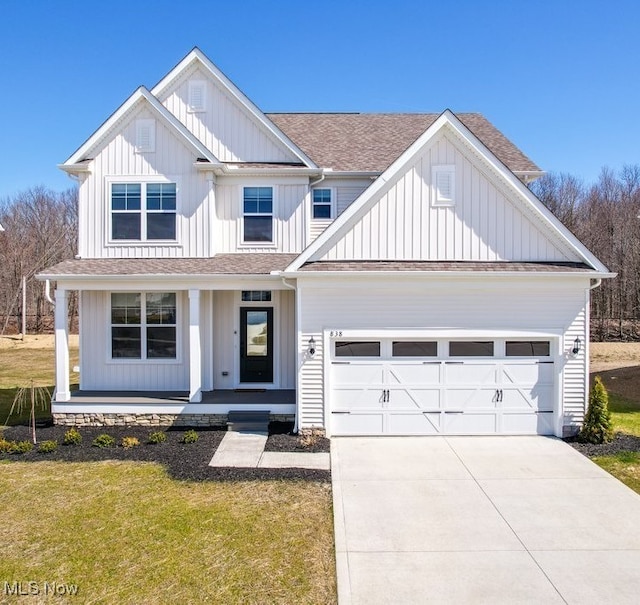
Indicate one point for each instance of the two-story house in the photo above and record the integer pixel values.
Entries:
(363, 273)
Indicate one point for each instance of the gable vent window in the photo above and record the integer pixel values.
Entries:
(197, 95)
(145, 135)
(444, 185)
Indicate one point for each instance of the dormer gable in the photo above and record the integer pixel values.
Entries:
(214, 109)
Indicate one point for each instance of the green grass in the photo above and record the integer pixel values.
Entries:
(625, 414)
(125, 532)
(625, 466)
(18, 367)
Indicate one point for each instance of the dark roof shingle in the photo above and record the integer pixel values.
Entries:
(370, 142)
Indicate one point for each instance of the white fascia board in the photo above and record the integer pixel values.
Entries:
(71, 165)
(446, 119)
(451, 275)
(197, 55)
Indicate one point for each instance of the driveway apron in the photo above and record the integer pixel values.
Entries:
(480, 520)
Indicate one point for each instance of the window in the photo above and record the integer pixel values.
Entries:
(322, 203)
(358, 349)
(415, 349)
(145, 135)
(143, 211)
(471, 349)
(197, 95)
(143, 326)
(443, 179)
(258, 214)
(256, 296)
(528, 348)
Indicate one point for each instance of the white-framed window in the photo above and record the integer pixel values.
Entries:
(443, 180)
(143, 211)
(145, 135)
(197, 96)
(321, 203)
(257, 206)
(143, 325)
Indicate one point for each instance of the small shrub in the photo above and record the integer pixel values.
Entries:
(47, 447)
(128, 442)
(157, 437)
(597, 421)
(310, 437)
(20, 447)
(72, 437)
(190, 436)
(104, 440)
(5, 446)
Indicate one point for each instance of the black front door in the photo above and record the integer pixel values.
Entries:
(256, 344)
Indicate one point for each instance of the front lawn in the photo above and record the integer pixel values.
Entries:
(125, 532)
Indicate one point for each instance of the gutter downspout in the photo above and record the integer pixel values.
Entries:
(47, 292)
(297, 326)
(323, 176)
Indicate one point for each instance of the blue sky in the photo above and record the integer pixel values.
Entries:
(560, 78)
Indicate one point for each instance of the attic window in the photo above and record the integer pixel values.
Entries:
(443, 179)
(145, 135)
(197, 95)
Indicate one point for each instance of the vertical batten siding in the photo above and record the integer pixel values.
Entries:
(459, 305)
(287, 348)
(171, 160)
(288, 224)
(483, 225)
(225, 348)
(226, 128)
(99, 372)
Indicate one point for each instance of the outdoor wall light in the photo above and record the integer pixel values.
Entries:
(576, 346)
(312, 347)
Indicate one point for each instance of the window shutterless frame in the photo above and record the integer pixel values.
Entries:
(257, 223)
(322, 203)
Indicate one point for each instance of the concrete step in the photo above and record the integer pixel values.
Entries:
(248, 420)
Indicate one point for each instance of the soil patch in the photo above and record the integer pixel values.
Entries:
(186, 461)
(622, 442)
(624, 381)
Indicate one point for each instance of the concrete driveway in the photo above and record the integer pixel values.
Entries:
(480, 520)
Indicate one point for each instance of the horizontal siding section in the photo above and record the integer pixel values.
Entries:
(99, 372)
(345, 195)
(486, 305)
(172, 160)
(225, 127)
(575, 372)
(288, 226)
(483, 225)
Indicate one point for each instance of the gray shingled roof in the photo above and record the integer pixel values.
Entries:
(371, 142)
(373, 265)
(221, 264)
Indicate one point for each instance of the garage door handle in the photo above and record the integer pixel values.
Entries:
(427, 363)
(341, 412)
(454, 411)
(456, 363)
(541, 362)
(340, 363)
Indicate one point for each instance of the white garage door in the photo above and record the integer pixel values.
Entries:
(442, 387)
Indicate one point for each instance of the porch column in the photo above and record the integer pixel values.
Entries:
(63, 392)
(195, 350)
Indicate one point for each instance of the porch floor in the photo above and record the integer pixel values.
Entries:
(224, 397)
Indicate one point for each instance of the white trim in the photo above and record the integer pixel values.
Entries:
(172, 408)
(332, 203)
(447, 119)
(63, 390)
(195, 348)
(274, 207)
(233, 91)
(141, 94)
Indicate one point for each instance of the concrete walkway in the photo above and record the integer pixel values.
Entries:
(246, 450)
(480, 520)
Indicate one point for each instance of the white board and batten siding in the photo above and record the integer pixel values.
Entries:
(223, 125)
(118, 161)
(483, 224)
(461, 306)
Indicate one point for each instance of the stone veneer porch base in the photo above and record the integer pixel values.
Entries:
(182, 420)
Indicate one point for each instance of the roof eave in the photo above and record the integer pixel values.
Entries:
(452, 274)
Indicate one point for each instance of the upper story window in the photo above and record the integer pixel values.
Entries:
(143, 211)
(197, 95)
(145, 135)
(443, 179)
(321, 202)
(258, 215)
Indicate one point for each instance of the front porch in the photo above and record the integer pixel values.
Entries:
(169, 408)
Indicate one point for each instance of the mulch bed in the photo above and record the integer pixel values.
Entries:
(183, 461)
(622, 442)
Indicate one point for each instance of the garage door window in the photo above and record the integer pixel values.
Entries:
(358, 349)
(415, 349)
(474, 348)
(528, 348)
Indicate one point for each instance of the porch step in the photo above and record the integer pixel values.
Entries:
(250, 420)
